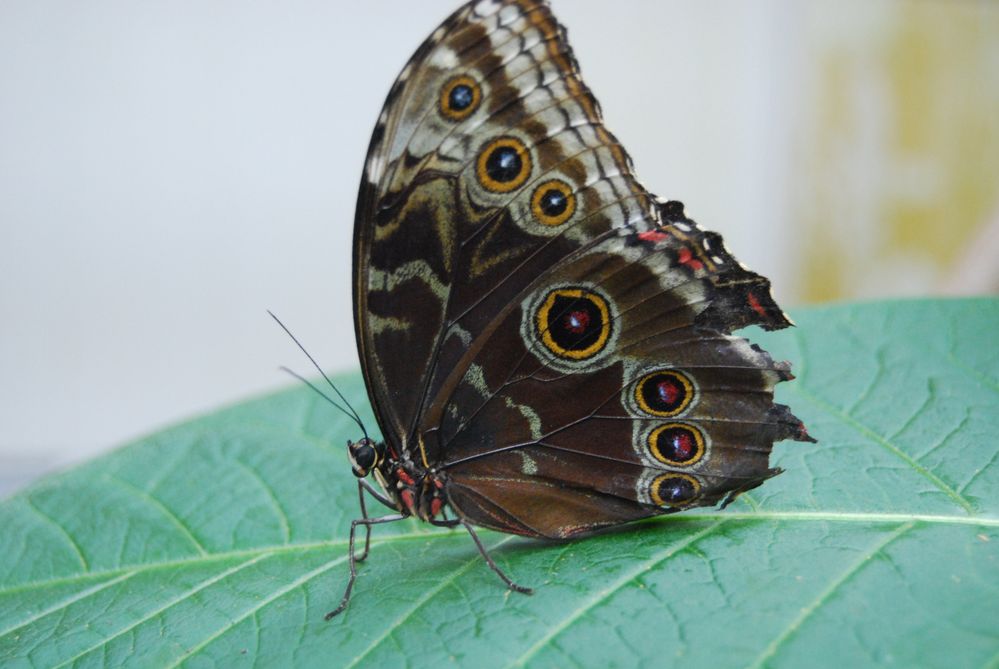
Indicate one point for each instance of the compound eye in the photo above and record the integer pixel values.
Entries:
(362, 457)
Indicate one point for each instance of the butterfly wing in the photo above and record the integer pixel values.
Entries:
(616, 390)
(455, 215)
(538, 326)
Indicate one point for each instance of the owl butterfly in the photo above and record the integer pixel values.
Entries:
(547, 346)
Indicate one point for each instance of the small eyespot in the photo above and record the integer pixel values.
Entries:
(553, 203)
(574, 323)
(665, 393)
(677, 444)
(459, 98)
(503, 165)
(674, 489)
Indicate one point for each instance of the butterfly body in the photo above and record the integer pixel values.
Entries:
(547, 346)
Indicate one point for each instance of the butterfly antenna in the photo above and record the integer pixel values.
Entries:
(349, 410)
(322, 394)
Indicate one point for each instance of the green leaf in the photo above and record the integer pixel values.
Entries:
(221, 542)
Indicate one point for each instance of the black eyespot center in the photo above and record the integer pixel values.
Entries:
(461, 98)
(676, 490)
(554, 202)
(504, 164)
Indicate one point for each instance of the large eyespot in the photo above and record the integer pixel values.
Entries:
(674, 489)
(553, 203)
(677, 444)
(574, 323)
(503, 165)
(664, 393)
(460, 97)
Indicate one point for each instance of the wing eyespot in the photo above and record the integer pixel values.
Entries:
(459, 98)
(674, 489)
(677, 444)
(574, 323)
(503, 165)
(553, 203)
(665, 393)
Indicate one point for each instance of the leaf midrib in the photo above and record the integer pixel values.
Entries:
(748, 516)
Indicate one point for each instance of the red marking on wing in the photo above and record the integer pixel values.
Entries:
(683, 445)
(668, 392)
(652, 236)
(754, 303)
(687, 258)
(404, 477)
(577, 322)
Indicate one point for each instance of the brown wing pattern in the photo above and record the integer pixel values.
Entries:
(437, 253)
(523, 305)
(662, 410)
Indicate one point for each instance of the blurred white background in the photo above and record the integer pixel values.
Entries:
(169, 170)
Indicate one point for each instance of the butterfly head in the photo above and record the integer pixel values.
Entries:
(365, 455)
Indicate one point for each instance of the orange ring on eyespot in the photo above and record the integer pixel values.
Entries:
(449, 105)
(679, 481)
(677, 431)
(642, 400)
(559, 214)
(593, 305)
(503, 165)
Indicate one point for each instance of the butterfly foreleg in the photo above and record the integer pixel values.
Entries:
(492, 565)
(367, 522)
(363, 485)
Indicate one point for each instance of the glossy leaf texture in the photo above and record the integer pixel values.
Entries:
(222, 542)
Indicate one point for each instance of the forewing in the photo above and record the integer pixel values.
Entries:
(441, 246)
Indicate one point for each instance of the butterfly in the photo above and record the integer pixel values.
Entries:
(546, 345)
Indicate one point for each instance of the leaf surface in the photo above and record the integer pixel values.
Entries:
(222, 542)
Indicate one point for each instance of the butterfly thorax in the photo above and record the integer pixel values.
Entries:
(416, 490)
(410, 488)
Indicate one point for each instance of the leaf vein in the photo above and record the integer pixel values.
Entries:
(162, 508)
(604, 594)
(423, 599)
(269, 491)
(889, 446)
(797, 516)
(277, 594)
(60, 529)
(102, 645)
(826, 594)
(68, 601)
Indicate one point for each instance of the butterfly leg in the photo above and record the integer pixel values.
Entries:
(367, 528)
(492, 565)
(367, 522)
(363, 485)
